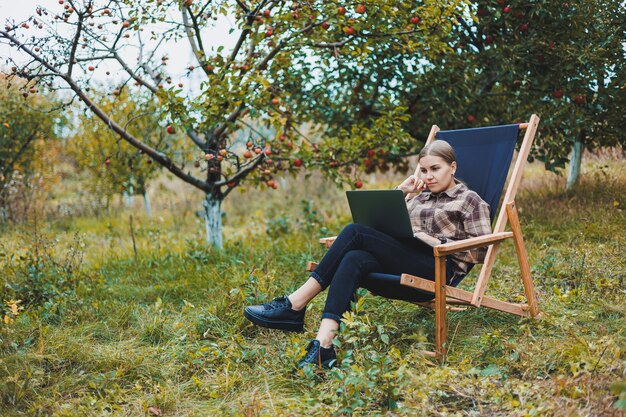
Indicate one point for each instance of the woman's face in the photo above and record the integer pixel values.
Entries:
(436, 173)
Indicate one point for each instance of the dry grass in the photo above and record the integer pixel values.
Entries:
(166, 330)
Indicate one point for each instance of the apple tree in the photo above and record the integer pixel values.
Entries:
(565, 61)
(114, 166)
(304, 84)
(27, 128)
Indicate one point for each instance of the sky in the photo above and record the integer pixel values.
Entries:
(180, 54)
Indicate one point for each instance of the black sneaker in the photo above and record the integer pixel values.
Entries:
(318, 356)
(276, 314)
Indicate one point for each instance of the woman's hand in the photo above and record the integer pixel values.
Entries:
(412, 185)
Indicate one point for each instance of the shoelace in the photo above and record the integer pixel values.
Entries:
(311, 353)
(278, 302)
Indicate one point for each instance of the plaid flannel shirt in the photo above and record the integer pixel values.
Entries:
(456, 214)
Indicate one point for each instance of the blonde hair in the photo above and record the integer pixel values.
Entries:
(439, 148)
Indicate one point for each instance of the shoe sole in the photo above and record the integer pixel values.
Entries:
(290, 326)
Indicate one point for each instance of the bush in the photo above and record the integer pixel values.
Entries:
(39, 278)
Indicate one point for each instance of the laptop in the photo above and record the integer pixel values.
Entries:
(383, 210)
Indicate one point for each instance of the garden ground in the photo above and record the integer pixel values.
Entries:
(94, 327)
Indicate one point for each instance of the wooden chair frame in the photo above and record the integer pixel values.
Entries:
(445, 294)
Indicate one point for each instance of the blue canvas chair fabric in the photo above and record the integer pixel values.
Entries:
(484, 156)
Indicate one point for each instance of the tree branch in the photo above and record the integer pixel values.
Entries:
(218, 132)
(243, 7)
(79, 29)
(193, 135)
(198, 52)
(133, 74)
(243, 173)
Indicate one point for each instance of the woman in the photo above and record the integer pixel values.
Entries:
(444, 210)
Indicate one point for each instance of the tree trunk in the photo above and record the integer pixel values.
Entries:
(213, 220)
(575, 160)
(128, 199)
(146, 203)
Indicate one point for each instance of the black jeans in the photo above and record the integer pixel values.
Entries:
(360, 250)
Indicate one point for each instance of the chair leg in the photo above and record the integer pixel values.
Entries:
(441, 327)
(522, 259)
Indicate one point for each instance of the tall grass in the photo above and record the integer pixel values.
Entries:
(164, 332)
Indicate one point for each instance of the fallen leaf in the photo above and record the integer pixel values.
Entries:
(155, 411)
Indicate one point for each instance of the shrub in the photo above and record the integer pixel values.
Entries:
(38, 278)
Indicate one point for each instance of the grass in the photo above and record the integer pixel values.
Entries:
(103, 333)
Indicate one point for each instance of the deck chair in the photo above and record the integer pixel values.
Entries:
(484, 157)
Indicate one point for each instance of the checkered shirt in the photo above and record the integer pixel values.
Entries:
(456, 214)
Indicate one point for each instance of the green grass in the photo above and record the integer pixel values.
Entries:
(108, 334)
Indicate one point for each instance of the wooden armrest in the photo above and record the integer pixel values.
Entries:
(471, 243)
(328, 240)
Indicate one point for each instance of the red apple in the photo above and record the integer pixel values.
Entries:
(348, 30)
(267, 151)
(276, 101)
(170, 129)
(371, 153)
(579, 99)
(107, 162)
(125, 24)
(471, 118)
(249, 144)
(360, 8)
(297, 163)
(325, 25)
(267, 13)
(523, 27)
(506, 9)
(91, 68)
(342, 10)
(247, 154)
(415, 20)
(558, 93)
(358, 184)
